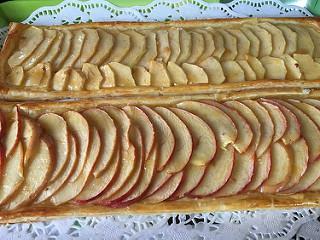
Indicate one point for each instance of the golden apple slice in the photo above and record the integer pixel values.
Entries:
(159, 75)
(76, 80)
(49, 123)
(108, 134)
(267, 127)
(204, 141)
(275, 68)
(30, 40)
(221, 124)
(195, 74)
(185, 46)
(36, 175)
(290, 37)
(300, 157)
(245, 133)
(16, 76)
(214, 70)
(55, 48)
(261, 171)
(71, 189)
(281, 168)
(249, 74)
(241, 174)
(254, 42)
(141, 76)
(166, 190)
(313, 102)
(52, 187)
(122, 74)
(304, 41)
(243, 44)
(310, 70)
(108, 77)
(183, 141)
(164, 136)
(278, 40)
(77, 43)
(105, 46)
(257, 67)
(33, 76)
(60, 79)
(293, 70)
(315, 187)
(151, 52)
(197, 47)
(218, 43)
(278, 119)
(174, 43)
(12, 134)
(315, 36)
(230, 44)
(233, 71)
(121, 48)
(208, 44)
(47, 76)
(93, 76)
(176, 74)
(12, 174)
(164, 50)
(217, 173)
(89, 47)
(137, 48)
(64, 51)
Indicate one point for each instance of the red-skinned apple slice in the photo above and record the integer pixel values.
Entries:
(300, 157)
(61, 138)
(183, 147)
(217, 173)
(221, 124)
(315, 187)
(245, 133)
(309, 130)
(166, 191)
(108, 133)
(36, 176)
(157, 182)
(241, 174)
(261, 172)
(280, 169)
(278, 119)
(266, 125)
(204, 141)
(164, 136)
(79, 128)
(12, 134)
(293, 131)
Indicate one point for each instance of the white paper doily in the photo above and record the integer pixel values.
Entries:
(296, 224)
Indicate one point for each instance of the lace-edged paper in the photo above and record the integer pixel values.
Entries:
(278, 224)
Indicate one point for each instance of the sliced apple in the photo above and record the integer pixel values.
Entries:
(243, 43)
(152, 52)
(230, 44)
(108, 133)
(137, 48)
(245, 133)
(36, 175)
(16, 76)
(197, 47)
(290, 37)
(64, 51)
(121, 47)
(33, 76)
(219, 45)
(54, 186)
(12, 134)
(257, 67)
(108, 76)
(254, 42)
(183, 141)
(122, 74)
(249, 74)
(141, 76)
(214, 70)
(208, 44)
(310, 69)
(158, 180)
(280, 171)
(267, 127)
(309, 130)
(164, 136)
(176, 74)
(77, 80)
(164, 50)
(93, 76)
(304, 41)
(233, 71)
(174, 42)
(70, 190)
(60, 79)
(78, 40)
(275, 68)
(221, 124)
(12, 174)
(204, 141)
(217, 173)
(49, 123)
(315, 187)
(261, 172)
(159, 74)
(293, 70)
(105, 45)
(185, 46)
(278, 119)
(314, 34)
(195, 74)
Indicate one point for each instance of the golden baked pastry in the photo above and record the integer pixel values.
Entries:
(98, 59)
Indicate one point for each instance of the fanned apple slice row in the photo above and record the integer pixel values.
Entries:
(36, 175)
(105, 46)
(76, 46)
(121, 47)
(204, 141)
(280, 171)
(61, 138)
(12, 134)
(151, 49)
(108, 133)
(243, 43)
(79, 128)
(12, 174)
(70, 190)
(221, 124)
(53, 187)
(290, 37)
(299, 155)
(253, 40)
(309, 130)
(164, 136)
(64, 51)
(183, 141)
(208, 44)
(54, 49)
(245, 133)
(216, 174)
(137, 49)
(304, 41)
